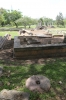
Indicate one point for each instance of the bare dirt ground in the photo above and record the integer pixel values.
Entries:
(6, 55)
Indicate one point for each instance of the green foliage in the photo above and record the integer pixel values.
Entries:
(2, 17)
(64, 21)
(46, 21)
(59, 19)
(2, 20)
(41, 21)
(13, 33)
(26, 21)
(8, 16)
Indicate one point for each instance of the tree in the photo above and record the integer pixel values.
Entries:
(21, 21)
(41, 21)
(48, 21)
(2, 20)
(2, 17)
(10, 16)
(59, 20)
(26, 21)
(45, 21)
(64, 21)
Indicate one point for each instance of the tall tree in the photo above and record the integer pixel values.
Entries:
(2, 17)
(9, 15)
(59, 19)
(48, 21)
(26, 21)
(13, 15)
(64, 21)
(41, 21)
(2, 20)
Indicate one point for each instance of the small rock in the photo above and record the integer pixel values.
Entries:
(60, 82)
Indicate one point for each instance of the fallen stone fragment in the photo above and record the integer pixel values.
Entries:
(13, 95)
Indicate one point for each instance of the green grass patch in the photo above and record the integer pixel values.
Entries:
(57, 30)
(63, 29)
(13, 33)
(15, 75)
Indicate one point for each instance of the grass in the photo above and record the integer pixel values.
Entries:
(7, 27)
(13, 33)
(59, 29)
(16, 73)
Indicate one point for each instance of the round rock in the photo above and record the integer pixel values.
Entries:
(38, 83)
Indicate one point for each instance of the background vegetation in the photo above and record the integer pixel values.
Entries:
(16, 18)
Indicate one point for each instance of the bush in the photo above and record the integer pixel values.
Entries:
(61, 26)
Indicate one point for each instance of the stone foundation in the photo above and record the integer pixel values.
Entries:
(41, 47)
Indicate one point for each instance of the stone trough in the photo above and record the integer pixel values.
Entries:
(39, 46)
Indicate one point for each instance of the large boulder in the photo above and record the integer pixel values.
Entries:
(13, 95)
(38, 83)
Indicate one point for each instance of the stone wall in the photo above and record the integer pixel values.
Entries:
(40, 52)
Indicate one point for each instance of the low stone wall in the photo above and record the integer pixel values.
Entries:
(40, 52)
(27, 51)
(9, 44)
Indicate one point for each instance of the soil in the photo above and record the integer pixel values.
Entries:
(6, 55)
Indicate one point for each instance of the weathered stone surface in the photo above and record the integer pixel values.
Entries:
(13, 95)
(8, 36)
(27, 47)
(38, 83)
(1, 70)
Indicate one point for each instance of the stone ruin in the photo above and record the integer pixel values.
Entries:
(40, 26)
(13, 95)
(40, 39)
(5, 42)
(45, 45)
(24, 32)
(8, 36)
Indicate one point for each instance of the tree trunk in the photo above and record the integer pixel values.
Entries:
(16, 25)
